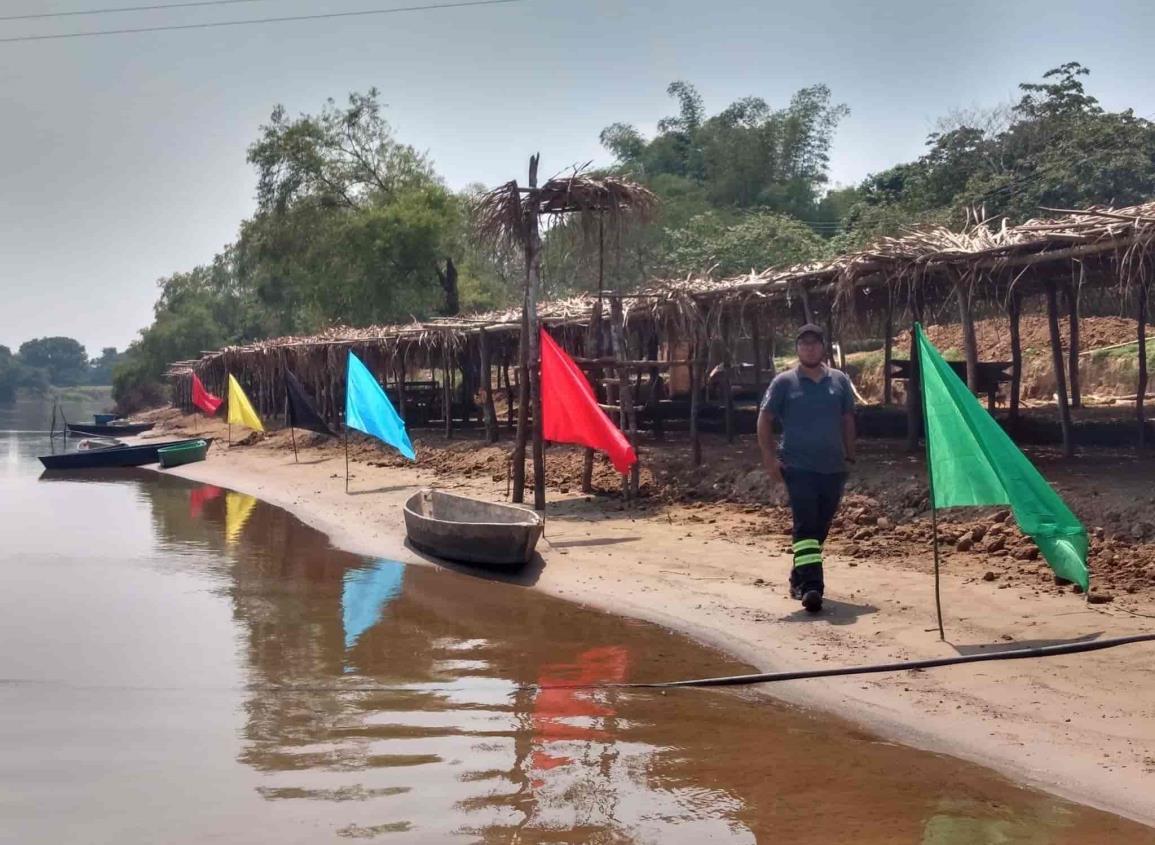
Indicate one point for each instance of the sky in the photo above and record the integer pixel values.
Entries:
(122, 158)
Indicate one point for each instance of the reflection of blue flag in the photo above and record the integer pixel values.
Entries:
(365, 594)
(368, 409)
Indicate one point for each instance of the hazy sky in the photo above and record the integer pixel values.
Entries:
(123, 157)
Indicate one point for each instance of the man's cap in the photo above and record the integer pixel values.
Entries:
(810, 328)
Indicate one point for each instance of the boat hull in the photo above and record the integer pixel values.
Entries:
(119, 456)
(463, 529)
(94, 430)
(176, 456)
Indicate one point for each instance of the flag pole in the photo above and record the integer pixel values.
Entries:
(346, 459)
(917, 329)
(292, 430)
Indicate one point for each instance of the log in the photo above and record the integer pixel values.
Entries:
(1141, 388)
(1071, 295)
(490, 413)
(1057, 364)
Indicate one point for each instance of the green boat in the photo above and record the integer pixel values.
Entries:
(185, 453)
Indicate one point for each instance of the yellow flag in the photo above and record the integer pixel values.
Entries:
(238, 509)
(241, 409)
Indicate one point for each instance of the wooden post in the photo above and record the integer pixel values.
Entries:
(508, 392)
(727, 385)
(518, 459)
(1057, 364)
(914, 383)
(653, 398)
(756, 342)
(594, 345)
(532, 280)
(807, 311)
(888, 348)
(1015, 310)
(625, 391)
(490, 413)
(970, 342)
(695, 402)
(447, 387)
(1071, 294)
(1141, 387)
(401, 403)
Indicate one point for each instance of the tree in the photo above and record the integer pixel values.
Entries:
(713, 245)
(63, 359)
(100, 369)
(9, 374)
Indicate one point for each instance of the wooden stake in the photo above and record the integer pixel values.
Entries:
(1057, 365)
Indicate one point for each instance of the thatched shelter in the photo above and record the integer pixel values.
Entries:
(672, 330)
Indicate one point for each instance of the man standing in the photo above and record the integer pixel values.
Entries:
(815, 405)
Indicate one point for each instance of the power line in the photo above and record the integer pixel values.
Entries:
(254, 21)
(38, 15)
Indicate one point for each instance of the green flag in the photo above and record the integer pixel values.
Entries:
(972, 461)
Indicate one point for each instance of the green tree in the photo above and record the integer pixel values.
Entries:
(63, 359)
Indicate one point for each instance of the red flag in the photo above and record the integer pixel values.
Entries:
(570, 411)
(203, 399)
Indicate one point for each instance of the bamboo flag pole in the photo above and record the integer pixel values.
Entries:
(914, 330)
(346, 459)
(292, 430)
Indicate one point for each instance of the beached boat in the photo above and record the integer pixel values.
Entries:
(185, 453)
(460, 528)
(109, 430)
(118, 456)
(98, 443)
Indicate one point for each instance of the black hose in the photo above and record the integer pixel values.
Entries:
(773, 677)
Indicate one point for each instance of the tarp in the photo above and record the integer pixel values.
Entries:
(570, 412)
(364, 595)
(204, 400)
(368, 409)
(972, 461)
(240, 408)
(302, 412)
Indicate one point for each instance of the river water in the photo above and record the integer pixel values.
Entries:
(185, 664)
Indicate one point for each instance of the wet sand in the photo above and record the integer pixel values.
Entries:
(1081, 726)
(188, 664)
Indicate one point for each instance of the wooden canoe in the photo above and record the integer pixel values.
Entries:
(464, 529)
(117, 456)
(110, 430)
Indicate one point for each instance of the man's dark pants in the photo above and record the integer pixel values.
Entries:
(814, 499)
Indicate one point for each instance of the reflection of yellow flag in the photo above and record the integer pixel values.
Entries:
(240, 408)
(238, 509)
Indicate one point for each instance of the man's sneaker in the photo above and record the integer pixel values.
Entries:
(806, 585)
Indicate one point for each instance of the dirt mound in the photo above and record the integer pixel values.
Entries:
(994, 338)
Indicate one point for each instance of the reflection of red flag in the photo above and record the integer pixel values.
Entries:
(202, 398)
(199, 497)
(570, 411)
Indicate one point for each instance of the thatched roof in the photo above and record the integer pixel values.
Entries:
(1124, 237)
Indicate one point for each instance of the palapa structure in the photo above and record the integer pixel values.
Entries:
(681, 326)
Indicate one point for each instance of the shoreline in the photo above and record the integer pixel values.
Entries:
(1081, 727)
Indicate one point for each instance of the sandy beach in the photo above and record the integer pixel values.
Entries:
(1080, 726)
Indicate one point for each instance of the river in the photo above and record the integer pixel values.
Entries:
(185, 664)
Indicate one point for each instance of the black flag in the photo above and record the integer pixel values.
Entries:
(302, 412)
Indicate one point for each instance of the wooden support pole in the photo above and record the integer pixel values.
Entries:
(695, 403)
(593, 346)
(402, 405)
(518, 459)
(1141, 317)
(756, 342)
(533, 281)
(888, 349)
(1057, 364)
(508, 392)
(727, 383)
(1014, 311)
(914, 383)
(653, 396)
(628, 413)
(447, 387)
(1071, 295)
(489, 412)
(966, 315)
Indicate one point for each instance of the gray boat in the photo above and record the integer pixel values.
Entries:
(460, 528)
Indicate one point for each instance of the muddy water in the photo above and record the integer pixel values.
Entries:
(183, 664)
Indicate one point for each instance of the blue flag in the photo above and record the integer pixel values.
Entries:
(368, 409)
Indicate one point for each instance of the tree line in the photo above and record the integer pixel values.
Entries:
(353, 226)
(53, 362)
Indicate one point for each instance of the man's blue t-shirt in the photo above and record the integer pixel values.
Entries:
(811, 415)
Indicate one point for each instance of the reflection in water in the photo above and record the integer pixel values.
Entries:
(365, 594)
(233, 678)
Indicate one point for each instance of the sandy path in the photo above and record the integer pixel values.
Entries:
(1081, 726)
